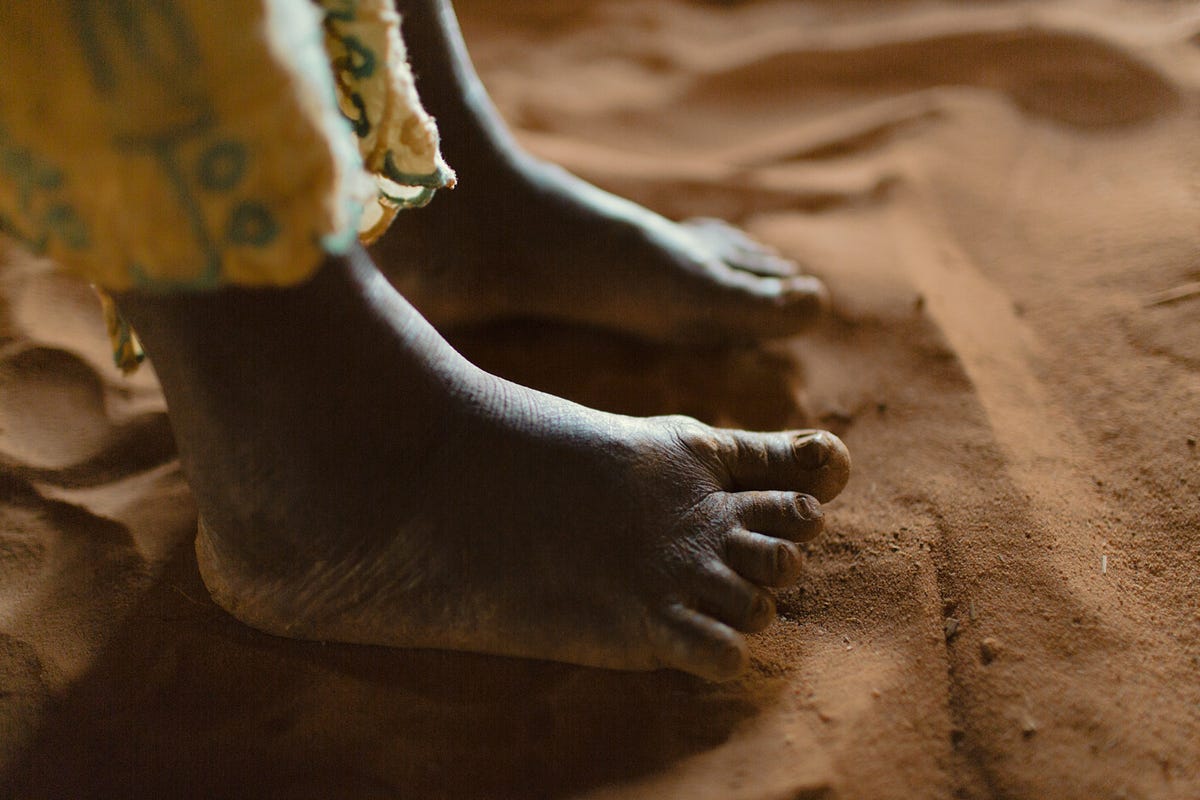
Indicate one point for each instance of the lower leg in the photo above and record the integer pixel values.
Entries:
(520, 237)
(359, 481)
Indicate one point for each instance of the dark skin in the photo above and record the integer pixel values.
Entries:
(359, 481)
(523, 238)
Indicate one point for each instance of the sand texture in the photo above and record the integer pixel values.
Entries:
(1004, 198)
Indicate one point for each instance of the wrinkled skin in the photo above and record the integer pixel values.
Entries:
(360, 481)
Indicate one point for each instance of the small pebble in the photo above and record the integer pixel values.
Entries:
(989, 648)
(1191, 441)
(951, 629)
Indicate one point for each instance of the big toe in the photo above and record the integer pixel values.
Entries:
(810, 461)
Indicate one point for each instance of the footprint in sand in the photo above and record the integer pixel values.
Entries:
(58, 427)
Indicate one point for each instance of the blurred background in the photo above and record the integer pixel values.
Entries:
(1004, 199)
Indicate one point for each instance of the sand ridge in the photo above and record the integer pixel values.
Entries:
(1004, 198)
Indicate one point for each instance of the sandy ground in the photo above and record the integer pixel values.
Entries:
(1005, 200)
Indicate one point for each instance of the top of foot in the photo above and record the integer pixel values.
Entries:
(529, 240)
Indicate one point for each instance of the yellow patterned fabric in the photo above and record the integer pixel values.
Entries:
(397, 140)
(177, 145)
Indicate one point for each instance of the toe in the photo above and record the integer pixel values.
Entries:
(813, 462)
(717, 300)
(764, 306)
(695, 643)
(764, 560)
(786, 515)
(732, 599)
(738, 250)
(765, 264)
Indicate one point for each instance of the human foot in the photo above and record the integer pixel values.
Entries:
(359, 481)
(526, 239)
(522, 238)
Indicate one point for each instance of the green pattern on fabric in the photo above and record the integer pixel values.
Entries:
(434, 180)
(46, 215)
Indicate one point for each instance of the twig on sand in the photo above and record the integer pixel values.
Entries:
(1184, 291)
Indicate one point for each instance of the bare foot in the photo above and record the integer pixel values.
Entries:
(522, 238)
(359, 481)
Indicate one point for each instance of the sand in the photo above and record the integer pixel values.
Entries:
(1005, 201)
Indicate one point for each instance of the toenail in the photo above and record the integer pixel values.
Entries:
(783, 560)
(809, 508)
(812, 450)
(760, 606)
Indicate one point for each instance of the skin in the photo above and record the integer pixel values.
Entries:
(507, 241)
(360, 481)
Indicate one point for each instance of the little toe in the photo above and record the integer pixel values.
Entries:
(794, 516)
(809, 461)
(765, 560)
(695, 643)
(735, 601)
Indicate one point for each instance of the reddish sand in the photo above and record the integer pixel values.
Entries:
(1005, 200)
